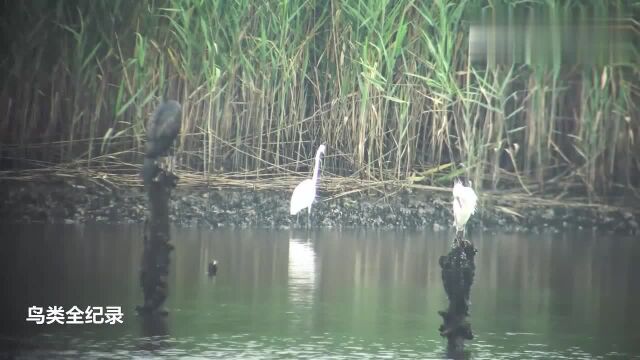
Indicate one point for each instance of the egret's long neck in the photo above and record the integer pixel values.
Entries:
(316, 167)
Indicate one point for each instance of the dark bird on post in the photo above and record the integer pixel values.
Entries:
(163, 128)
(162, 131)
(213, 267)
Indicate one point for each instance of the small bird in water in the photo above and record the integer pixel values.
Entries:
(162, 130)
(213, 267)
(464, 205)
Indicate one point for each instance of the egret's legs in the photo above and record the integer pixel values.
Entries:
(464, 239)
(309, 217)
(172, 159)
(459, 237)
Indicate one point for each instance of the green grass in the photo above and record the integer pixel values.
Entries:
(387, 85)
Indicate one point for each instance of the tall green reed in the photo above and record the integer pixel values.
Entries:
(390, 86)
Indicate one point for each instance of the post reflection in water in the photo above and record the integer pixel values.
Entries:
(155, 333)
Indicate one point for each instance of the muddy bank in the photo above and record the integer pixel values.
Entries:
(83, 201)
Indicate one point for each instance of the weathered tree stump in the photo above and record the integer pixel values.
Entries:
(157, 248)
(458, 270)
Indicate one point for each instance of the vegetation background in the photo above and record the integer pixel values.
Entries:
(391, 86)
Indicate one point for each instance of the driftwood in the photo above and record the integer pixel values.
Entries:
(458, 270)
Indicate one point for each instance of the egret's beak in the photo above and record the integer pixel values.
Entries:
(459, 202)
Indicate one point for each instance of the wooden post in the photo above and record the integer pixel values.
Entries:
(157, 248)
(458, 270)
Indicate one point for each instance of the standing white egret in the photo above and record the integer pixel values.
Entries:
(305, 193)
(464, 205)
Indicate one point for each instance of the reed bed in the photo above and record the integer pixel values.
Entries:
(391, 87)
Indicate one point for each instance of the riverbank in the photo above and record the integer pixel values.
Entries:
(77, 201)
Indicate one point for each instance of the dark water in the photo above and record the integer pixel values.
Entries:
(337, 294)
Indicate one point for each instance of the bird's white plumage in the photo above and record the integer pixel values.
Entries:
(305, 193)
(464, 204)
(303, 196)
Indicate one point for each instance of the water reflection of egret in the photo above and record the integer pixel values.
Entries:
(302, 271)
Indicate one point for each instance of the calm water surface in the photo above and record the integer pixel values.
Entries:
(338, 294)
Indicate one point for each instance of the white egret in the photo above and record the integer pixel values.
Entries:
(464, 205)
(305, 193)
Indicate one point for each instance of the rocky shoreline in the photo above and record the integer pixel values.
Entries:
(84, 201)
